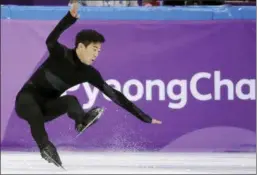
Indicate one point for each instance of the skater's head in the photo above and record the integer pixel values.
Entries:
(88, 45)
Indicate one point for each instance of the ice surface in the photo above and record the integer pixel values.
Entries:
(128, 163)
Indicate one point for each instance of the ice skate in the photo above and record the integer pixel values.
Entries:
(50, 154)
(90, 118)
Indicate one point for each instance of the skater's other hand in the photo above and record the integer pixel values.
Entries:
(74, 8)
(154, 121)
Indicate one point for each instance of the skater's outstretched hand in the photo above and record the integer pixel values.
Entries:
(74, 8)
(154, 121)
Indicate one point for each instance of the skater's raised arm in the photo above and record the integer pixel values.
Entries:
(70, 18)
(119, 98)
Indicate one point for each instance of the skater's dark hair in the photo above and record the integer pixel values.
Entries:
(89, 36)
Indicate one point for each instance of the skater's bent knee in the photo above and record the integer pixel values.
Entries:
(25, 106)
(19, 105)
(70, 99)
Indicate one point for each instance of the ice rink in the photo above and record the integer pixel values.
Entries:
(128, 163)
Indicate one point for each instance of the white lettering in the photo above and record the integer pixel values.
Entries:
(193, 86)
(239, 89)
(176, 90)
(140, 90)
(219, 83)
(149, 92)
(91, 94)
(182, 96)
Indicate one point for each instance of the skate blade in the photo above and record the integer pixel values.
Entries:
(97, 117)
(63, 167)
(57, 164)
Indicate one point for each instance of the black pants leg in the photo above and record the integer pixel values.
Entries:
(28, 108)
(66, 104)
(36, 111)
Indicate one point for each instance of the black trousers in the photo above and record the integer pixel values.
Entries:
(37, 109)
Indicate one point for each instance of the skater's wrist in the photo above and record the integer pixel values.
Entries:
(147, 118)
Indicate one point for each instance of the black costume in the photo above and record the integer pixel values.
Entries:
(39, 99)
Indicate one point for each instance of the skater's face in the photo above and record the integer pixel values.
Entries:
(88, 54)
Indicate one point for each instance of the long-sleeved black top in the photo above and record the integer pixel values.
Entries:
(63, 70)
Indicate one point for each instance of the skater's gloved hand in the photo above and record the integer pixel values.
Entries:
(74, 8)
(154, 121)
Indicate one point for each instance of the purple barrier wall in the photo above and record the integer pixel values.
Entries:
(197, 77)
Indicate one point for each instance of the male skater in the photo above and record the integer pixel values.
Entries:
(39, 99)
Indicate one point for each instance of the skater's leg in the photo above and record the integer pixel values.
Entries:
(28, 109)
(66, 104)
(70, 104)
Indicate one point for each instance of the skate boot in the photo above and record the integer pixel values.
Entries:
(50, 154)
(90, 118)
